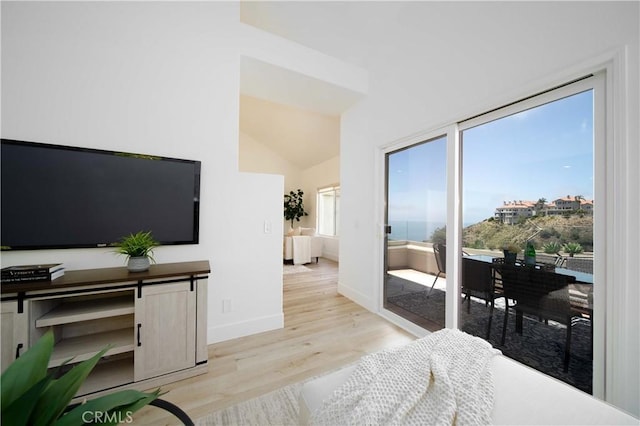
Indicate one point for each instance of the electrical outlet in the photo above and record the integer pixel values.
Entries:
(226, 306)
(267, 227)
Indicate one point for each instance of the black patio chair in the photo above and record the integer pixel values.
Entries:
(540, 293)
(440, 253)
(478, 281)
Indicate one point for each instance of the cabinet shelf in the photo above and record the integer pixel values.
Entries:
(84, 347)
(70, 312)
(108, 374)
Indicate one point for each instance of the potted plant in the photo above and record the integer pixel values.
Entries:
(32, 395)
(138, 248)
(293, 206)
(510, 253)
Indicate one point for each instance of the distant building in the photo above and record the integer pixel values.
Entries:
(512, 211)
(568, 204)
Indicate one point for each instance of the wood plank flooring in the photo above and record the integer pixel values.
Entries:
(323, 331)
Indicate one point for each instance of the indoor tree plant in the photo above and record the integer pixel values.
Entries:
(293, 206)
(138, 248)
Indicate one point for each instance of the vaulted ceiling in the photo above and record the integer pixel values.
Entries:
(302, 137)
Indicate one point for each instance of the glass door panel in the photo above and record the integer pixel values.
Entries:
(416, 214)
(527, 213)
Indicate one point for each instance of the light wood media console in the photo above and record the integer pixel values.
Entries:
(154, 321)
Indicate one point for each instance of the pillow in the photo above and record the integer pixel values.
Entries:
(308, 231)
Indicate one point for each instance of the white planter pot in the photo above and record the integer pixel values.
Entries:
(138, 264)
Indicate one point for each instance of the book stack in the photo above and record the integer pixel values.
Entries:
(28, 273)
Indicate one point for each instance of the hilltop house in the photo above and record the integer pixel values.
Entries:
(513, 211)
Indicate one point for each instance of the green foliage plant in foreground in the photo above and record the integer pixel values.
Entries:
(32, 396)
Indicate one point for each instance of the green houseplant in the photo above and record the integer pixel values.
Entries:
(31, 395)
(293, 206)
(138, 248)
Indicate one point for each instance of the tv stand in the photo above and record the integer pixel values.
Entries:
(154, 321)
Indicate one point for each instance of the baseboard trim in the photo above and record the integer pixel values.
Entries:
(357, 297)
(331, 256)
(244, 328)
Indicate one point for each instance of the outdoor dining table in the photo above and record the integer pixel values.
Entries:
(580, 291)
(581, 277)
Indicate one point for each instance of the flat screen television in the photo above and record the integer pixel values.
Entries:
(56, 196)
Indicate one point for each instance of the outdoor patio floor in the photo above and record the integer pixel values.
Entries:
(540, 346)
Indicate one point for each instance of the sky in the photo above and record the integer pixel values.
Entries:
(545, 152)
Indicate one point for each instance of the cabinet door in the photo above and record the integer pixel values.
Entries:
(15, 333)
(165, 330)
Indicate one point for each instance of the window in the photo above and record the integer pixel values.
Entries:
(329, 210)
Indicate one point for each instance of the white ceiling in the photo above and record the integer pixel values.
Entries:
(352, 31)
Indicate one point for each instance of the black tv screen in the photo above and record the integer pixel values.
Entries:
(56, 196)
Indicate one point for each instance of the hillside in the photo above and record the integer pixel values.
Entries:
(491, 234)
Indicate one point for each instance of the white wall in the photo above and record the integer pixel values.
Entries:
(256, 295)
(156, 78)
(256, 157)
(160, 78)
(68, 77)
(446, 61)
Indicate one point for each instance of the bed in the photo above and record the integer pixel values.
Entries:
(521, 395)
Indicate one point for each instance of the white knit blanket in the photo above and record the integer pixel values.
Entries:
(441, 379)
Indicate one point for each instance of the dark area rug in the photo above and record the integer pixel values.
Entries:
(540, 346)
(431, 308)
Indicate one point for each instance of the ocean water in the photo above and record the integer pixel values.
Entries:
(413, 230)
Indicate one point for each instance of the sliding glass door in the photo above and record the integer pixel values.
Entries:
(528, 198)
(518, 188)
(415, 244)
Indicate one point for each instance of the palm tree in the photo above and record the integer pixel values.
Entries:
(540, 204)
(578, 198)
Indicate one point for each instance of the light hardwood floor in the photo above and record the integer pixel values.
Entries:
(322, 332)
